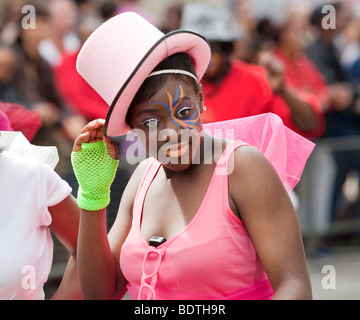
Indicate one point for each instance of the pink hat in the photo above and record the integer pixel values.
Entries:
(122, 52)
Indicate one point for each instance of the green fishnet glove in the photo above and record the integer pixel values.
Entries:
(95, 171)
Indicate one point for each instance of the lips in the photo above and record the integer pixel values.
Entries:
(176, 150)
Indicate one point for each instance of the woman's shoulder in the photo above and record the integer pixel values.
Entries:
(141, 168)
(249, 162)
(19, 164)
(230, 150)
(136, 177)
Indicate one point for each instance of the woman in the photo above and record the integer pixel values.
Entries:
(185, 229)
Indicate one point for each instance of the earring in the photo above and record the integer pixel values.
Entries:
(204, 108)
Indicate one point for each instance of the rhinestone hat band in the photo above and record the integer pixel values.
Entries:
(177, 71)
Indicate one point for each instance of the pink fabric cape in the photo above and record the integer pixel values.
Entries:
(285, 149)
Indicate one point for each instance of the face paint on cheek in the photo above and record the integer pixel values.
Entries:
(189, 123)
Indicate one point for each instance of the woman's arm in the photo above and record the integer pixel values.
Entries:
(302, 113)
(65, 225)
(98, 253)
(97, 272)
(96, 266)
(270, 219)
(98, 258)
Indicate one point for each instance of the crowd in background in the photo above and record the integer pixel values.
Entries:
(37, 66)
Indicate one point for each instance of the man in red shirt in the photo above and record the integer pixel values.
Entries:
(234, 89)
(77, 93)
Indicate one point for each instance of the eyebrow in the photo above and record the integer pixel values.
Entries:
(185, 98)
(150, 110)
(174, 103)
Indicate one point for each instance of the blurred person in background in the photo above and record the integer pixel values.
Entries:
(245, 17)
(256, 89)
(62, 37)
(11, 102)
(10, 16)
(33, 80)
(77, 93)
(107, 9)
(136, 6)
(342, 116)
(172, 19)
(301, 77)
(7, 69)
(324, 53)
(224, 76)
(350, 53)
(89, 7)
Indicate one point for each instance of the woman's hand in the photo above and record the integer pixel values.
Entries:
(94, 160)
(93, 132)
(275, 71)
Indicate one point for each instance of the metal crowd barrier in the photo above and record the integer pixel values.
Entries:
(315, 193)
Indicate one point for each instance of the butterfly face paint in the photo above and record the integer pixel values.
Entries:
(182, 112)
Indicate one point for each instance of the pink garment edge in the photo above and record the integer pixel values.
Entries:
(285, 149)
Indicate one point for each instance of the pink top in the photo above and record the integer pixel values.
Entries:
(211, 258)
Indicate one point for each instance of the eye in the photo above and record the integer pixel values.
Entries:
(150, 123)
(183, 113)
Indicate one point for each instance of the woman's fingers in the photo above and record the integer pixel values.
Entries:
(94, 125)
(82, 138)
(111, 148)
(92, 132)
